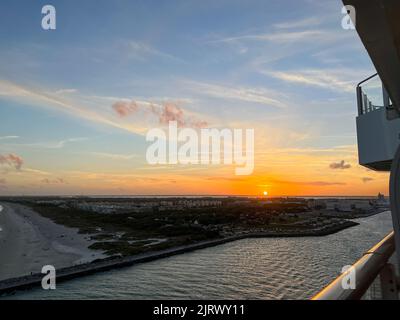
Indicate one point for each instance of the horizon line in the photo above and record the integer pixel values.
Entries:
(186, 195)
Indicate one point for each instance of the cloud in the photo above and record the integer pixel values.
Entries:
(256, 95)
(309, 183)
(165, 113)
(235, 179)
(9, 137)
(92, 110)
(115, 155)
(172, 112)
(291, 33)
(306, 22)
(345, 149)
(62, 143)
(323, 183)
(366, 179)
(51, 145)
(54, 181)
(281, 37)
(337, 80)
(340, 165)
(286, 40)
(44, 99)
(141, 51)
(125, 108)
(63, 91)
(35, 171)
(12, 160)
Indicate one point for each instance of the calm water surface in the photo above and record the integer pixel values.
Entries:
(269, 268)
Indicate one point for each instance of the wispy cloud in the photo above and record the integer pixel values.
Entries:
(41, 99)
(322, 183)
(35, 171)
(62, 143)
(102, 114)
(142, 51)
(301, 23)
(337, 80)
(349, 150)
(309, 183)
(63, 91)
(50, 145)
(292, 32)
(281, 37)
(115, 156)
(9, 137)
(255, 95)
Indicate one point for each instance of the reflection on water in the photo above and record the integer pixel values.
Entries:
(268, 268)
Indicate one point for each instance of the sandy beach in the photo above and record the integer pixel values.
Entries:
(29, 241)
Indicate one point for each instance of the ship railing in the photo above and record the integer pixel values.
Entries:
(371, 95)
(374, 266)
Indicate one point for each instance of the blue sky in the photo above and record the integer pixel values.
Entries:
(285, 68)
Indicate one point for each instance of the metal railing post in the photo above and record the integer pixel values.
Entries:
(385, 97)
(367, 269)
(359, 101)
(394, 194)
(365, 103)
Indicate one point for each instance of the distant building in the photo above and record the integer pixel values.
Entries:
(382, 202)
(348, 205)
(316, 204)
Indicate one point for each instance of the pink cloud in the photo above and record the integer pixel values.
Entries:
(171, 112)
(123, 108)
(165, 113)
(12, 160)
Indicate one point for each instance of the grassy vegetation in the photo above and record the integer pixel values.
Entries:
(134, 228)
(129, 233)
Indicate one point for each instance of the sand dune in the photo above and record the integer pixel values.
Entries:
(29, 241)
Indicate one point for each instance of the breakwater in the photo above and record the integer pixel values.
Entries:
(63, 274)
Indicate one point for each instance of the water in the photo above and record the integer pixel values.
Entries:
(268, 268)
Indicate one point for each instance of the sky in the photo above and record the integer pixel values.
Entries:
(76, 102)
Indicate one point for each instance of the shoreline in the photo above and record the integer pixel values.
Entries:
(28, 241)
(8, 286)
